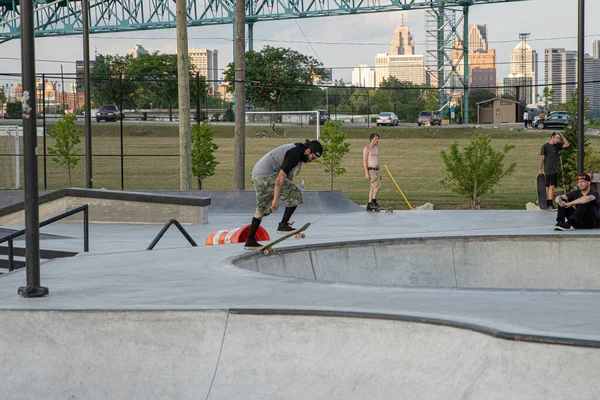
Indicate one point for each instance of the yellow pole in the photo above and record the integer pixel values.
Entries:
(400, 190)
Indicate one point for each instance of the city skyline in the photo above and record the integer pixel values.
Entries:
(336, 41)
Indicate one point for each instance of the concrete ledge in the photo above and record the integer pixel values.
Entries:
(513, 262)
(114, 206)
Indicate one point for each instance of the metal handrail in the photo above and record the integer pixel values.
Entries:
(167, 226)
(86, 232)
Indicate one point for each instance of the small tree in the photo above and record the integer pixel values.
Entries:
(334, 149)
(591, 165)
(14, 109)
(474, 172)
(569, 154)
(65, 139)
(203, 148)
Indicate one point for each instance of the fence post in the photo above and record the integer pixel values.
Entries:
(44, 137)
(198, 98)
(122, 116)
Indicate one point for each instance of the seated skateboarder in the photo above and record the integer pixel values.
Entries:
(579, 208)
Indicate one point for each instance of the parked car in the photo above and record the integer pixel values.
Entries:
(552, 121)
(428, 116)
(323, 117)
(109, 112)
(387, 118)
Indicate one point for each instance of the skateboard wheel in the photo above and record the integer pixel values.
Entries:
(303, 236)
(296, 236)
(266, 252)
(272, 251)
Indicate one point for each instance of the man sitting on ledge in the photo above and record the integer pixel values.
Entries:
(579, 208)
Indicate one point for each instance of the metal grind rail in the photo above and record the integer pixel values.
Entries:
(164, 229)
(86, 232)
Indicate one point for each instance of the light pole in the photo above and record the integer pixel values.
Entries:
(580, 86)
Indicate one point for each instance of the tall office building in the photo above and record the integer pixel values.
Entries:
(524, 64)
(401, 63)
(560, 67)
(363, 76)
(205, 61)
(592, 77)
(596, 49)
(482, 59)
(402, 42)
(478, 39)
(408, 68)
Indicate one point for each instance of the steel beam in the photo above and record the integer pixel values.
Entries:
(60, 18)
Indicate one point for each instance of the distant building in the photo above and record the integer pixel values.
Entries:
(592, 77)
(478, 39)
(482, 59)
(79, 66)
(401, 63)
(560, 67)
(363, 76)
(327, 80)
(407, 68)
(224, 94)
(524, 63)
(205, 61)
(482, 66)
(596, 49)
(515, 85)
(137, 50)
(402, 42)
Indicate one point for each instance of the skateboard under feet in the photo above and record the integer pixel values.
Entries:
(387, 210)
(297, 234)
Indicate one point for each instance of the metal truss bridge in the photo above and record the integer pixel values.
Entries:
(64, 17)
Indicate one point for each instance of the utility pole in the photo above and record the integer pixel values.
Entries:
(239, 147)
(32, 286)
(580, 87)
(85, 11)
(183, 89)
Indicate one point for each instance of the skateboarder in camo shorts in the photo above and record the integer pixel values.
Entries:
(272, 179)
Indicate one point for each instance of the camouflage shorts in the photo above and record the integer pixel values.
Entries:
(290, 194)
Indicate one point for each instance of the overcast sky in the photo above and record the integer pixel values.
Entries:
(340, 43)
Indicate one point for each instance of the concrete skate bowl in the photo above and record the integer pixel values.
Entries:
(512, 262)
(218, 355)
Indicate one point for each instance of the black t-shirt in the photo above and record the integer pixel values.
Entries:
(575, 194)
(292, 159)
(550, 153)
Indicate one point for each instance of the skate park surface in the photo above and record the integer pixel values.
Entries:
(414, 304)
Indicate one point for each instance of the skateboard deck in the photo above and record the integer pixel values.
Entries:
(297, 234)
(387, 210)
(541, 189)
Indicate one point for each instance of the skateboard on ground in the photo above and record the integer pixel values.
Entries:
(387, 210)
(297, 234)
(541, 189)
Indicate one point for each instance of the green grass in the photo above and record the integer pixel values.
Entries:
(411, 154)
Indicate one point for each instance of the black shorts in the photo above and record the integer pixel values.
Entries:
(551, 179)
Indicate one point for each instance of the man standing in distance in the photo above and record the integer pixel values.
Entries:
(272, 178)
(371, 169)
(549, 164)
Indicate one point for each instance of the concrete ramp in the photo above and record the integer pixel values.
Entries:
(237, 355)
(244, 201)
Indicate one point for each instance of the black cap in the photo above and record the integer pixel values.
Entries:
(315, 147)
